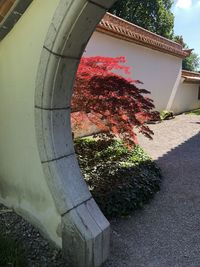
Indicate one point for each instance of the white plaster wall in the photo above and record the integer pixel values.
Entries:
(22, 183)
(158, 71)
(186, 97)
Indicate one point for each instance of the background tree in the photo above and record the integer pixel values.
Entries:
(153, 15)
(192, 62)
(112, 102)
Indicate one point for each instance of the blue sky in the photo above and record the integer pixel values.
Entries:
(187, 22)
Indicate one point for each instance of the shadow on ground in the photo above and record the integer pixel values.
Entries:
(166, 233)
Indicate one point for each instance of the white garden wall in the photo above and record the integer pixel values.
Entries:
(186, 97)
(157, 70)
(160, 72)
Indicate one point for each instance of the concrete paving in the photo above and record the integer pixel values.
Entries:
(166, 233)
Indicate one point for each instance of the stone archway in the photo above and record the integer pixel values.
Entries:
(85, 231)
(39, 175)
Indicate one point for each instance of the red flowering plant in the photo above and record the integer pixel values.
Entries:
(105, 93)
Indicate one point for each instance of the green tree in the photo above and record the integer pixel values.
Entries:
(192, 62)
(153, 15)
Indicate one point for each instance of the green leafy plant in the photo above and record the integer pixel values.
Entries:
(190, 63)
(153, 15)
(194, 112)
(121, 180)
(11, 253)
(166, 115)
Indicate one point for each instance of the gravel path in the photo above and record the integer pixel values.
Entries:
(166, 233)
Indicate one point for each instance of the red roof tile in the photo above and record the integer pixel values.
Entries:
(190, 76)
(122, 29)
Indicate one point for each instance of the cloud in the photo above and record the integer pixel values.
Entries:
(184, 4)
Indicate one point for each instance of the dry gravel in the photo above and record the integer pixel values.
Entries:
(166, 232)
(39, 252)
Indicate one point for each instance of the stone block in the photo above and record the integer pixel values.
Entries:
(55, 81)
(85, 236)
(76, 34)
(66, 183)
(54, 134)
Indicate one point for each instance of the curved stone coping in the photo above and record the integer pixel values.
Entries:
(14, 14)
(85, 230)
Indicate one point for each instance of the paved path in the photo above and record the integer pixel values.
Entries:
(167, 232)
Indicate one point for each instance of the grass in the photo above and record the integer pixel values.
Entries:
(11, 253)
(193, 112)
(120, 180)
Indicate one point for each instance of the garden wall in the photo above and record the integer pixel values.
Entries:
(186, 97)
(154, 60)
(158, 71)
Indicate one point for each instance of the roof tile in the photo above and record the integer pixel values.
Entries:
(122, 29)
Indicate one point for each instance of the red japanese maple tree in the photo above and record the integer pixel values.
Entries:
(111, 99)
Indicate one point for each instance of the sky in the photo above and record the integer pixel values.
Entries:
(187, 22)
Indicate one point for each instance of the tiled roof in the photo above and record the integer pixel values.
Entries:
(191, 77)
(122, 29)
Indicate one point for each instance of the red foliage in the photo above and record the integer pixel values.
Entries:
(112, 99)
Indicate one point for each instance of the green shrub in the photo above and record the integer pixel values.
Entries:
(11, 254)
(120, 180)
(166, 115)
